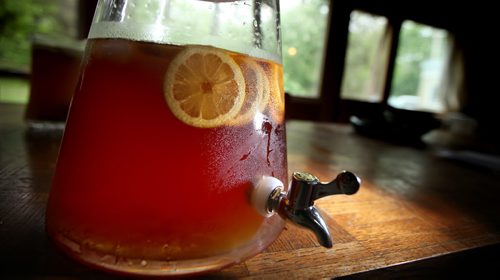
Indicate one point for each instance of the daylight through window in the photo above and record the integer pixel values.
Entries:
(304, 27)
(366, 57)
(419, 75)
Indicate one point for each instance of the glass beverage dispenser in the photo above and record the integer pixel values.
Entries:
(173, 159)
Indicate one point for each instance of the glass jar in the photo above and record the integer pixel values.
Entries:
(173, 159)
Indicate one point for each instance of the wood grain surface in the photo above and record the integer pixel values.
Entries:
(416, 215)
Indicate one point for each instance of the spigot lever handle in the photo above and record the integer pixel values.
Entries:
(306, 188)
(345, 183)
(298, 204)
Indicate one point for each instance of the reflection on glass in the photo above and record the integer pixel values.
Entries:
(304, 32)
(420, 64)
(366, 57)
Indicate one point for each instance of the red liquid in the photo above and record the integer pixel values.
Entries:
(134, 181)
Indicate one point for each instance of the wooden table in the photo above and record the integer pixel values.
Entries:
(416, 215)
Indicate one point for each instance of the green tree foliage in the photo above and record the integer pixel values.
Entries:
(414, 48)
(19, 21)
(304, 28)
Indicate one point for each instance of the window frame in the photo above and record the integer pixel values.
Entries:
(330, 106)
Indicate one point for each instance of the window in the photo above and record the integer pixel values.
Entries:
(420, 63)
(391, 62)
(304, 29)
(366, 58)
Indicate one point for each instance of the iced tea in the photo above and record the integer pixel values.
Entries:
(135, 180)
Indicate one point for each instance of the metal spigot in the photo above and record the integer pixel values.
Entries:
(298, 204)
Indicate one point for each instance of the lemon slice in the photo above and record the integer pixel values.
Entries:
(256, 84)
(274, 74)
(204, 87)
(281, 88)
(266, 90)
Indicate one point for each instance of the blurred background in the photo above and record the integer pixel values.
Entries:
(412, 72)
